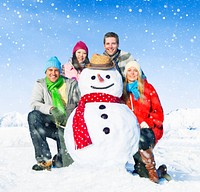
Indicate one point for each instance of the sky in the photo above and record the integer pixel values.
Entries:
(164, 37)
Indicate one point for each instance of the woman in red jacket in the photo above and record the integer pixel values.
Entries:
(142, 98)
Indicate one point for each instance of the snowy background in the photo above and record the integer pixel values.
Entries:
(162, 35)
(178, 149)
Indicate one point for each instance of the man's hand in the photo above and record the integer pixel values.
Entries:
(59, 117)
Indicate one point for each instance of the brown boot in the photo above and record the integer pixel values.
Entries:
(44, 165)
(148, 160)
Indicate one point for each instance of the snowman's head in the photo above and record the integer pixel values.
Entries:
(101, 81)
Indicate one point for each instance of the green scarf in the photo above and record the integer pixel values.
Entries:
(56, 98)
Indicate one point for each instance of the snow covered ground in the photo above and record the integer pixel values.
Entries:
(179, 149)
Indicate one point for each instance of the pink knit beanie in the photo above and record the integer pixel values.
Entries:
(80, 45)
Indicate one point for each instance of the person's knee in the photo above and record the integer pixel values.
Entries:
(33, 116)
(147, 139)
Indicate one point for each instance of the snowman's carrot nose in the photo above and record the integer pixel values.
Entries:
(100, 78)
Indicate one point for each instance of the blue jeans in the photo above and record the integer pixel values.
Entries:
(41, 127)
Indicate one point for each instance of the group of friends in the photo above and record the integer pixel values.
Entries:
(57, 95)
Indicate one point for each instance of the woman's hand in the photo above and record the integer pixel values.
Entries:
(144, 125)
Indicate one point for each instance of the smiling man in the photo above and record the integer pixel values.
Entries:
(54, 98)
(119, 57)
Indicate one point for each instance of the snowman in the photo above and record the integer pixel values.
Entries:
(101, 131)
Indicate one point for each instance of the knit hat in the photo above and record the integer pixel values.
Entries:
(98, 61)
(80, 45)
(134, 64)
(53, 62)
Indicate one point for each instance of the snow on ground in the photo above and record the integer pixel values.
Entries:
(179, 150)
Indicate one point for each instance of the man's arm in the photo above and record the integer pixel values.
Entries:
(38, 100)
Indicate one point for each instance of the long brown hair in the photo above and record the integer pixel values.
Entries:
(76, 64)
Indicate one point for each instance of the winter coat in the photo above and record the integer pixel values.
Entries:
(120, 58)
(149, 111)
(42, 101)
(70, 72)
(124, 58)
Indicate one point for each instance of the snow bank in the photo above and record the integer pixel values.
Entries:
(179, 149)
(13, 119)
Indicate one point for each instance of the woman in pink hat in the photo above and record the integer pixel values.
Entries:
(76, 64)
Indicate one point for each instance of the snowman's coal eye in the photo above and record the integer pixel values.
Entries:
(93, 77)
(108, 76)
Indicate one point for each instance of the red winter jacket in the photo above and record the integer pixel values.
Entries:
(150, 110)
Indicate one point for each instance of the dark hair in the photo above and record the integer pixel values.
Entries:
(76, 64)
(111, 34)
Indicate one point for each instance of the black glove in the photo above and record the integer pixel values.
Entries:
(59, 117)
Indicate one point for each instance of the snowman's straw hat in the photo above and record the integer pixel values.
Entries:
(98, 61)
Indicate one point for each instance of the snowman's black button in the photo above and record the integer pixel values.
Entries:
(104, 116)
(106, 130)
(102, 107)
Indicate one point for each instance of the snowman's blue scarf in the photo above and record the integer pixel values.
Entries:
(133, 88)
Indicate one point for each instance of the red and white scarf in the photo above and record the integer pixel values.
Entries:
(81, 135)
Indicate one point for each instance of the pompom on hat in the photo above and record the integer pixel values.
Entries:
(53, 62)
(80, 45)
(98, 61)
(134, 64)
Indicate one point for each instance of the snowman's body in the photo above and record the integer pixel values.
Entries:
(112, 127)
